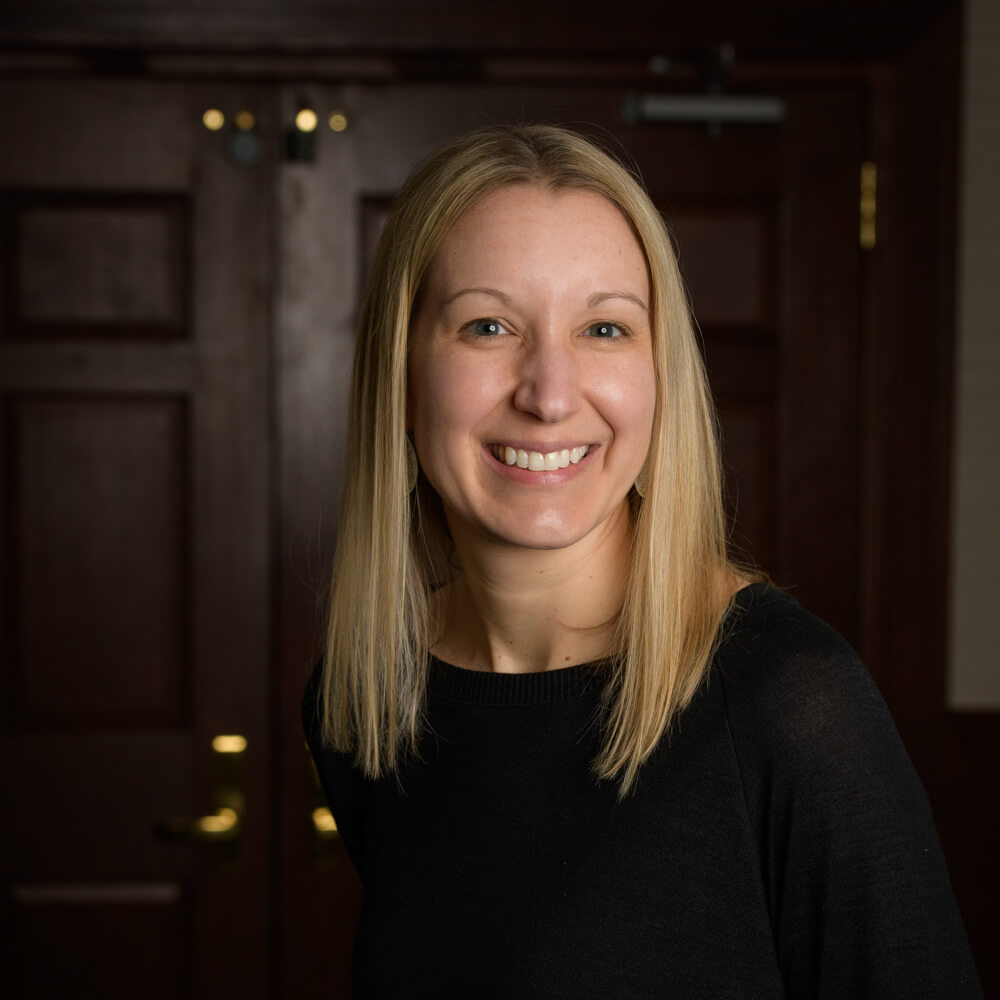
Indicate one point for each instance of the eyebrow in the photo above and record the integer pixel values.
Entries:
(598, 297)
(595, 300)
(481, 290)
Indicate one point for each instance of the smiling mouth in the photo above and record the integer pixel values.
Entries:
(537, 461)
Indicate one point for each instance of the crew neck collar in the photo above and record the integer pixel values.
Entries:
(484, 687)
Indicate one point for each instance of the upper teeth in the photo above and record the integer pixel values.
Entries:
(538, 461)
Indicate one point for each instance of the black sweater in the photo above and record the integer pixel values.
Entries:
(778, 843)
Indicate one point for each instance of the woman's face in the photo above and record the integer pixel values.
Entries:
(531, 382)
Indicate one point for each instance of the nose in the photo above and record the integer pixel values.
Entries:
(548, 382)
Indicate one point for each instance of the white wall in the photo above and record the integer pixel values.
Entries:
(974, 679)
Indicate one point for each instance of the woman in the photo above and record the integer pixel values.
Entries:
(573, 751)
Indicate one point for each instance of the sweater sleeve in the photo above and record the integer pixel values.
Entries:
(857, 887)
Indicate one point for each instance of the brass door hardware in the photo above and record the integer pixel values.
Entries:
(324, 825)
(222, 825)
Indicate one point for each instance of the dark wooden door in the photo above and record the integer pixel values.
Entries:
(155, 322)
(134, 525)
(766, 221)
(765, 218)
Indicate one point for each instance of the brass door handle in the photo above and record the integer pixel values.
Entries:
(223, 825)
(324, 825)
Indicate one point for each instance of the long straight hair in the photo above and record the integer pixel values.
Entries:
(392, 546)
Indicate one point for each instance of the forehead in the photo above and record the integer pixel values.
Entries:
(528, 230)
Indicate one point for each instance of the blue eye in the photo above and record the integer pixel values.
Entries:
(605, 331)
(486, 328)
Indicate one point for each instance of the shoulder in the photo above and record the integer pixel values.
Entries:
(768, 640)
(856, 885)
(810, 733)
(794, 687)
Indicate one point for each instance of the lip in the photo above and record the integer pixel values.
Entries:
(553, 477)
(542, 446)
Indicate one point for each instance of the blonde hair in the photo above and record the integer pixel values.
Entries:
(390, 548)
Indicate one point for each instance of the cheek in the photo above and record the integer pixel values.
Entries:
(427, 392)
(448, 396)
(643, 414)
(439, 402)
(647, 401)
(629, 398)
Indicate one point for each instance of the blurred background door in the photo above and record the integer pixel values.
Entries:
(135, 513)
(177, 299)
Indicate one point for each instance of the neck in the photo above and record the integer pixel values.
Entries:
(518, 610)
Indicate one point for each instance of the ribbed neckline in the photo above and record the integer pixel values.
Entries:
(486, 688)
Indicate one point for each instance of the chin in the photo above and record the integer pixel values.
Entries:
(536, 542)
(547, 531)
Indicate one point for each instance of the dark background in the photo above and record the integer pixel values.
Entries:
(177, 308)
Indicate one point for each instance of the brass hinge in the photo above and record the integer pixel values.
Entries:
(869, 188)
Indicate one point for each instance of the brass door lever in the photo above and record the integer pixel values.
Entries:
(223, 825)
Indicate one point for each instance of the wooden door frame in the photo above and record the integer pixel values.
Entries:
(910, 365)
(909, 327)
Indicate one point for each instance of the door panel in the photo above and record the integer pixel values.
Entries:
(96, 266)
(107, 529)
(145, 921)
(134, 524)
